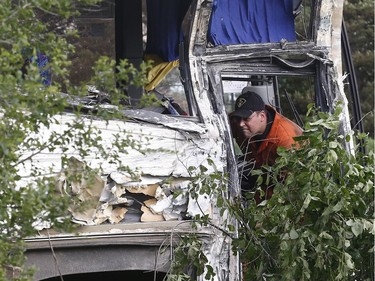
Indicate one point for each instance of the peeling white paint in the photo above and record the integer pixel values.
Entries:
(200, 206)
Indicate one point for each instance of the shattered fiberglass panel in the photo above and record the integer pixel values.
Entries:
(146, 189)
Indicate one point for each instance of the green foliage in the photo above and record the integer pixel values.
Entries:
(318, 225)
(188, 257)
(107, 74)
(28, 109)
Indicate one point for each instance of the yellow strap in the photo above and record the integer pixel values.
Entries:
(159, 70)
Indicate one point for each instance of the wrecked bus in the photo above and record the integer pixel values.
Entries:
(208, 51)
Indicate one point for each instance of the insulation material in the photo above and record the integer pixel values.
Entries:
(148, 215)
(117, 215)
(82, 182)
(124, 197)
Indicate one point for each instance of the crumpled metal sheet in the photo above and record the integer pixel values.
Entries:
(170, 147)
(167, 121)
(177, 148)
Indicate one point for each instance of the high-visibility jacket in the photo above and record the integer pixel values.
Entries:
(281, 134)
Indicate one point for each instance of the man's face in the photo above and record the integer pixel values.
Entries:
(254, 125)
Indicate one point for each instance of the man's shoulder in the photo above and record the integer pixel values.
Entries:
(287, 124)
(284, 130)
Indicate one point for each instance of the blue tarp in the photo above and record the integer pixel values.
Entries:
(251, 21)
(231, 22)
(164, 18)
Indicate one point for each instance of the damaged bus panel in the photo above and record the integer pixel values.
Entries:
(204, 53)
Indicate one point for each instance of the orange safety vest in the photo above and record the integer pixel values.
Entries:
(281, 134)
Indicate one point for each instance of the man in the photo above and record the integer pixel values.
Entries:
(259, 130)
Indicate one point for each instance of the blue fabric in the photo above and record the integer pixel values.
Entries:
(251, 21)
(41, 61)
(164, 18)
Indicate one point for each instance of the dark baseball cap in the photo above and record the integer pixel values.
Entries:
(247, 103)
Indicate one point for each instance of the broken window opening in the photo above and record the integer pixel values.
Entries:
(127, 30)
(171, 86)
(290, 95)
(304, 13)
(164, 35)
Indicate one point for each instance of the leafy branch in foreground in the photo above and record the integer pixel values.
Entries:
(31, 121)
(319, 223)
(188, 259)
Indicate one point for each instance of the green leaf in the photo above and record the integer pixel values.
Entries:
(306, 203)
(263, 203)
(338, 206)
(284, 245)
(347, 243)
(293, 234)
(333, 144)
(312, 152)
(349, 261)
(332, 156)
(357, 227)
(369, 225)
(318, 122)
(325, 235)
